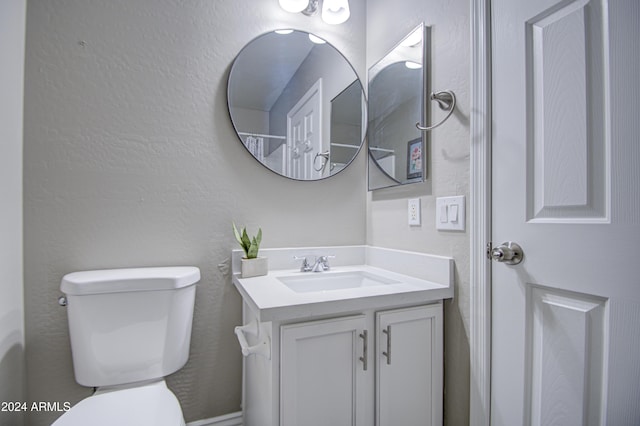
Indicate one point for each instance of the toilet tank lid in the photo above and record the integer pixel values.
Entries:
(129, 279)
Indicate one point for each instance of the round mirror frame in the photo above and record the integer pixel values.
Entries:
(323, 155)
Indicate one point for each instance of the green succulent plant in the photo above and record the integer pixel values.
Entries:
(249, 245)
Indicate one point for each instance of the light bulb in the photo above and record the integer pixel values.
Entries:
(294, 6)
(335, 11)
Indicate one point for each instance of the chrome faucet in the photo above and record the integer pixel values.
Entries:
(305, 267)
(321, 263)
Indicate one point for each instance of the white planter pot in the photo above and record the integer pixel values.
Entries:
(254, 267)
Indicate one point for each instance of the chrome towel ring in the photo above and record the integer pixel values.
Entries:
(446, 100)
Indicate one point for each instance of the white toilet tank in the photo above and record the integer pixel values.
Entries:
(129, 325)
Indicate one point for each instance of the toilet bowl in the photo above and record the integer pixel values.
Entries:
(129, 328)
(145, 405)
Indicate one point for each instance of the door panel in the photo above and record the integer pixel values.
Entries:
(566, 334)
(565, 322)
(304, 138)
(567, 142)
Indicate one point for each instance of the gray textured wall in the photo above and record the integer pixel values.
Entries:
(448, 169)
(130, 160)
(12, 33)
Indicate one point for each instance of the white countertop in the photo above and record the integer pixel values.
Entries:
(271, 300)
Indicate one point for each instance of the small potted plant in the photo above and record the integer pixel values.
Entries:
(252, 265)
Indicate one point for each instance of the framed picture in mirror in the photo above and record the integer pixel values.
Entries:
(414, 158)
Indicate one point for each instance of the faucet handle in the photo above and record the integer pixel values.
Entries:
(323, 262)
(305, 267)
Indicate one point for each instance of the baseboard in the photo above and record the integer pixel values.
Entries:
(233, 419)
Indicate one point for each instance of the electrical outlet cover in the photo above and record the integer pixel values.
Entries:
(414, 212)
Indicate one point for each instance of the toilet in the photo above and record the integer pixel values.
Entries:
(129, 328)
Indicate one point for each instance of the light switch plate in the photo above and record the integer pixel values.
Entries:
(450, 213)
(414, 212)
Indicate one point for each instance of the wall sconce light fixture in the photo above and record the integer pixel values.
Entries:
(333, 11)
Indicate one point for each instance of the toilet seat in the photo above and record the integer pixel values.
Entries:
(148, 405)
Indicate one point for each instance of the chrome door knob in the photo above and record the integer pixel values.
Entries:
(509, 253)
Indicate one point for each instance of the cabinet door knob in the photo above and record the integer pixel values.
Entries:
(387, 331)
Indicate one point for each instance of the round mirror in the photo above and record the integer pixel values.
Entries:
(297, 105)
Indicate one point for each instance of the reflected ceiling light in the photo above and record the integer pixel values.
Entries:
(283, 31)
(294, 6)
(412, 65)
(316, 39)
(335, 11)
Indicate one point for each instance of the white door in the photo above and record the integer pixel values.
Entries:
(322, 374)
(409, 366)
(566, 155)
(304, 134)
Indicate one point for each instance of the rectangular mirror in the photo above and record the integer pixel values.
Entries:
(397, 92)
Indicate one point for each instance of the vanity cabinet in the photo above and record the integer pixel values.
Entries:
(381, 367)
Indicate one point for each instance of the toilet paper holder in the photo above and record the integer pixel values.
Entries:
(263, 348)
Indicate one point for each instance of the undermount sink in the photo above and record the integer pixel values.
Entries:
(328, 281)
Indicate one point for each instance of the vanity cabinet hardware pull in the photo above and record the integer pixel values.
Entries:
(387, 331)
(365, 349)
(263, 348)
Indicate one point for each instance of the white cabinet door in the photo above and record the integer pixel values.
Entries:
(322, 373)
(409, 366)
